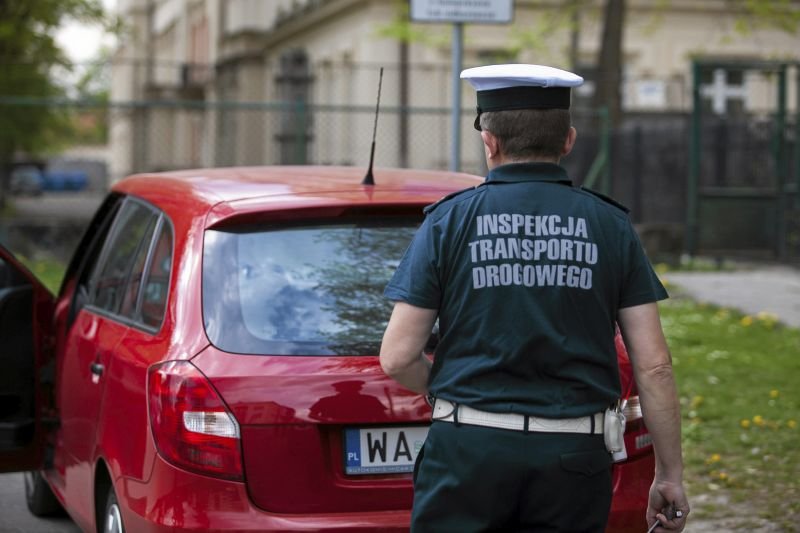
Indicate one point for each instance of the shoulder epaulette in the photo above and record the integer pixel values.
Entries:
(436, 204)
(606, 199)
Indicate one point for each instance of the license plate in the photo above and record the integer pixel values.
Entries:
(387, 450)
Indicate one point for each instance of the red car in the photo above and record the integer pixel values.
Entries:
(210, 362)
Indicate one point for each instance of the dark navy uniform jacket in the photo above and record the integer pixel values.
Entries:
(527, 273)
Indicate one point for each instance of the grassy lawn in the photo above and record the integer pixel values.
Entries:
(49, 271)
(738, 382)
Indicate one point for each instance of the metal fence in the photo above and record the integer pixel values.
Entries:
(643, 163)
(145, 136)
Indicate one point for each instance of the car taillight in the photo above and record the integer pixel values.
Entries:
(191, 426)
(637, 439)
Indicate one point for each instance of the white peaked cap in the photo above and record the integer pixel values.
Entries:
(493, 77)
(517, 86)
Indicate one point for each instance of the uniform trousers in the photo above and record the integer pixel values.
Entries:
(471, 478)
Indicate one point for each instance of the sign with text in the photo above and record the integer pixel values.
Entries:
(472, 11)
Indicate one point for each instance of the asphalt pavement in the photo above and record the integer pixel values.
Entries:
(14, 515)
(750, 288)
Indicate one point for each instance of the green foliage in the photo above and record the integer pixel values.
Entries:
(402, 29)
(47, 270)
(781, 14)
(30, 55)
(537, 38)
(657, 18)
(737, 379)
(89, 123)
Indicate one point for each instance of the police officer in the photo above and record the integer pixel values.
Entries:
(528, 276)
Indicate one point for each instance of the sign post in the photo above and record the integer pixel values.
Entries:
(459, 12)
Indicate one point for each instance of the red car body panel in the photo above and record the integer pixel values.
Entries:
(304, 417)
(42, 305)
(291, 411)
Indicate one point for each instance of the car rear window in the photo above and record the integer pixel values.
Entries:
(313, 289)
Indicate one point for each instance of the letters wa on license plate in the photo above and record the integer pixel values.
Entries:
(386, 450)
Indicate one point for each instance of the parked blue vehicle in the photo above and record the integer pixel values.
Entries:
(65, 180)
(29, 180)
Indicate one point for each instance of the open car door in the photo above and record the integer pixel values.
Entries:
(26, 365)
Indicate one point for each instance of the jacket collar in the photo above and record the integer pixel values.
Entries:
(520, 172)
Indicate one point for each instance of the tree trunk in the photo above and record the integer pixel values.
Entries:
(5, 178)
(609, 64)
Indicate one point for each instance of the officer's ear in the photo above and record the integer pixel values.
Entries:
(491, 145)
(569, 143)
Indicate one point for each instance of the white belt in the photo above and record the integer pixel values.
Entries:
(445, 411)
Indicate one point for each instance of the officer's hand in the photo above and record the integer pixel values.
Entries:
(667, 504)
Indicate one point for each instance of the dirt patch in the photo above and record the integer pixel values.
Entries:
(716, 513)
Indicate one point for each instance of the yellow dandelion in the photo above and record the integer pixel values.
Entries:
(759, 420)
(774, 393)
(723, 476)
(769, 319)
(697, 401)
(662, 268)
(715, 458)
(791, 424)
(746, 321)
(745, 423)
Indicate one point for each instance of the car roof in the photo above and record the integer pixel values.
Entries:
(246, 187)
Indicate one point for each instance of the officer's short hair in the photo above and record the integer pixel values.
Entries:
(527, 133)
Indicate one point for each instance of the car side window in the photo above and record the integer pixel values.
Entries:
(131, 290)
(156, 285)
(88, 253)
(125, 251)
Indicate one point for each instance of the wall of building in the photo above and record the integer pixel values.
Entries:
(345, 43)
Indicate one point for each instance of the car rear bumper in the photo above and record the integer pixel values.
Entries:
(176, 500)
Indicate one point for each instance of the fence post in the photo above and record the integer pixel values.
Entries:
(797, 140)
(599, 168)
(300, 154)
(793, 233)
(694, 163)
(780, 166)
(605, 188)
(637, 174)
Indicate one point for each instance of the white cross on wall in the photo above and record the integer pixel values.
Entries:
(720, 92)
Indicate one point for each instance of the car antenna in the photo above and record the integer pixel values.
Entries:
(369, 179)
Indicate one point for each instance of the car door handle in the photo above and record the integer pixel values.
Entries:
(97, 369)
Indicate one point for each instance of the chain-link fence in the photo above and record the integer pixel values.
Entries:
(191, 116)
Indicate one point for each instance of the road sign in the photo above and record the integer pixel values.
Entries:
(472, 11)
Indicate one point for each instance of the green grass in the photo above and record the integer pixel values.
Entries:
(49, 271)
(695, 264)
(738, 383)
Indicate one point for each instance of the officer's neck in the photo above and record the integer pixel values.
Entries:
(500, 159)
